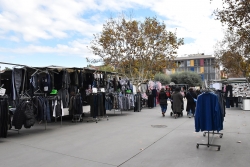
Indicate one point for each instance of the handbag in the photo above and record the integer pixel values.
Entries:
(195, 100)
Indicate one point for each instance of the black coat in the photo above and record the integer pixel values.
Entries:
(163, 97)
(177, 102)
(24, 115)
(190, 101)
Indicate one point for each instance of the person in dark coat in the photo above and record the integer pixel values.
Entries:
(163, 101)
(191, 104)
(177, 102)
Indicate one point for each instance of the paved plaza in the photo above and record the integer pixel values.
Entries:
(130, 139)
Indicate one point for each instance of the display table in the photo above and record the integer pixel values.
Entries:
(245, 104)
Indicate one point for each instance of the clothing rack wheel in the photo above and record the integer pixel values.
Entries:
(208, 145)
(221, 134)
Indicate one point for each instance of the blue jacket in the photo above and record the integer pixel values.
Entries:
(208, 116)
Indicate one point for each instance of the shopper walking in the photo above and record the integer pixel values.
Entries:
(163, 99)
(191, 104)
(177, 102)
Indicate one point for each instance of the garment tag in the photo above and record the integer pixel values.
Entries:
(46, 88)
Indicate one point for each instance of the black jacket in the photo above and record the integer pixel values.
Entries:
(163, 97)
(190, 101)
(24, 115)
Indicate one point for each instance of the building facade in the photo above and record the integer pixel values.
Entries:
(204, 65)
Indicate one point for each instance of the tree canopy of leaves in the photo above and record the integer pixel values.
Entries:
(163, 78)
(187, 77)
(138, 50)
(231, 56)
(107, 68)
(234, 53)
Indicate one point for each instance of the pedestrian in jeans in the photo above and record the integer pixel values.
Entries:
(191, 104)
(163, 101)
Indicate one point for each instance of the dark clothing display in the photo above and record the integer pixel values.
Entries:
(222, 102)
(4, 118)
(46, 83)
(16, 83)
(80, 79)
(75, 106)
(58, 107)
(65, 79)
(64, 94)
(97, 104)
(34, 81)
(24, 115)
(74, 78)
(109, 101)
(43, 109)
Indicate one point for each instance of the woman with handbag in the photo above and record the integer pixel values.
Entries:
(163, 99)
(191, 104)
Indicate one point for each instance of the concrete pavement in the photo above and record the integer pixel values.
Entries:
(130, 139)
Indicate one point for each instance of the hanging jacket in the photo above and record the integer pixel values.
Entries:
(24, 115)
(208, 115)
(16, 83)
(65, 79)
(58, 108)
(4, 118)
(64, 94)
(80, 79)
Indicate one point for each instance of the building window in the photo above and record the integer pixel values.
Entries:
(206, 76)
(206, 69)
(188, 63)
(201, 69)
(196, 69)
(212, 76)
(197, 62)
(212, 69)
(212, 62)
(202, 77)
(192, 63)
(201, 62)
(206, 62)
(179, 63)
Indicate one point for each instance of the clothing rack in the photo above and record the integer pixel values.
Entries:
(55, 98)
(44, 95)
(208, 144)
(77, 117)
(96, 118)
(117, 109)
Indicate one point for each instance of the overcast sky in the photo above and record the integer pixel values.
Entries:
(57, 32)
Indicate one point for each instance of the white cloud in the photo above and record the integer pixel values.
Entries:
(193, 19)
(45, 19)
(58, 19)
(73, 48)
